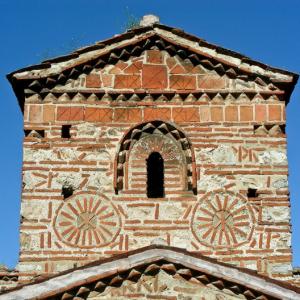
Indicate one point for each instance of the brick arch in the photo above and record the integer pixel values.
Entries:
(155, 127)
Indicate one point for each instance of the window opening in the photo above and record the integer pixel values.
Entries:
(252, 193)
(65, 131)
(155, 176)
(67, 191)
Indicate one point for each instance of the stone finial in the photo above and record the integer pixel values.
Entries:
(149, 20)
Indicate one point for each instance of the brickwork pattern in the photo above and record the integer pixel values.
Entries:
(236, 130)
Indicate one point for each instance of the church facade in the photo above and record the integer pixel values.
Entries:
(162, 156)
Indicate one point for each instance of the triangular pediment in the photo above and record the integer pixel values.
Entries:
(157, 60)
(156, 272)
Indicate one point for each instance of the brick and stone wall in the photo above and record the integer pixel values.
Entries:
(224, 147)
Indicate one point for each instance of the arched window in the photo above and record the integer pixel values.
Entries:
(175, 149)
(155, 176)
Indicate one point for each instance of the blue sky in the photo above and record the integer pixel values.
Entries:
(34, 30)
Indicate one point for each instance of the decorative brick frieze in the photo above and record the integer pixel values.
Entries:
(219, 129)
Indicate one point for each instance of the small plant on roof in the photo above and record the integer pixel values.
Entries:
(132, 21)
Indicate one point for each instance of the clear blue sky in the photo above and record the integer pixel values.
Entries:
(35, 30)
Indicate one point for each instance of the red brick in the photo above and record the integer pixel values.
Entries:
(26, 112)
(127, 81)
(178, 69)
(93, 81)
(154, 57)
(70, 113)
(49, 113)
(115, 70)
(246, 113)
(274, 112)
(211, 82)
(35, 113)
(128, 115)
(231, 113)
(157, 113)
(133, 69)
(107, 80)
(183, 82)
(186, 114)
(283, 113)
(121, 65)
(260, 113)
(93, 114)
(204, 114)
(217, 113)
(76, 114)
(154, 76)
(171, 62)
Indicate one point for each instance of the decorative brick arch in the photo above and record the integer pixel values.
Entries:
(158, 128)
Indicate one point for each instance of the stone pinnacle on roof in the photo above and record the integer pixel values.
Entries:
(149, 20)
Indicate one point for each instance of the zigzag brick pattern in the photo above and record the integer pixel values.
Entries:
(220, 132)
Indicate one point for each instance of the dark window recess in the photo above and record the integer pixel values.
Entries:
(65, 131)
(67, 191)
(155, 176)
(252, 193)
(35, 133)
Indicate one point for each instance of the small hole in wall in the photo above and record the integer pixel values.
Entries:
(282, 127)
(35, 133)
(65, 131)
(252, 193)
(67, 191)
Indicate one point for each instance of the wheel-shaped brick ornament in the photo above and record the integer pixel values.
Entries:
(222, 219)
(87, 220)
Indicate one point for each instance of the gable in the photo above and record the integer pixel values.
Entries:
(157, 70)
(156, 272)
(152, 61)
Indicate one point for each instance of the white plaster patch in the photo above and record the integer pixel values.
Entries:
(212, 182)
(275, 214)
(87, 130)
(223, 154)
(272, 157)
(34, 210)
(37, 154)
(281, 183)
(100, 181)
(67, 180)
(68, 154)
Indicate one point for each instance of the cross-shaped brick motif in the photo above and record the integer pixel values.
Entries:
(127, 82)
(182, 82)
(70, 113)
(154, 76)
(186, 114)
(93, 114)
